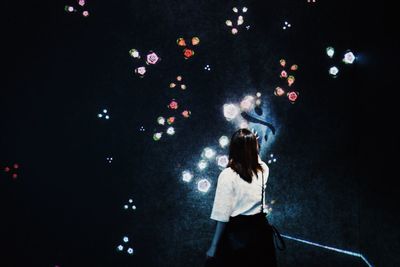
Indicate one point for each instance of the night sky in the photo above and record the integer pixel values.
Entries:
(331, 183)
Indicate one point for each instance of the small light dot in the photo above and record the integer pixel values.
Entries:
(125, 239)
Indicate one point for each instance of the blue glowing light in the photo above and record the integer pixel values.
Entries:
(354, 254)
(120, 248)
(203, 185)
(125, 239)
(202, 164)
(130, 250)
(187, 176)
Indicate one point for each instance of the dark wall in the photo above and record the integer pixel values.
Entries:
(65, 207)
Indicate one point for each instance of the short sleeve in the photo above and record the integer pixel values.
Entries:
(224, 197)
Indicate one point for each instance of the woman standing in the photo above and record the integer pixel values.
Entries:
(242, 236)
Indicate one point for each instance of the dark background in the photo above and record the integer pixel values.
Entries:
(333, 182)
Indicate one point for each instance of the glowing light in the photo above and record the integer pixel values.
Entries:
(188, 53)
(202, 164)
(234, 31)
(141, 71)
(247, 103)
(330, 51)
(120, 248)
(294, 67)
(349, 58)
(240, 20)
(290, 80)
(223, 141)
(183, 87)
(279, 91)
(292, 96)
(235, 9)
(195, 40)
(81, 2)
(179, 78)
(209, 153)
(130, 251)
(134, 53)
(283, 74)
(142, 129)
(134, 207)
(130, 200)
(152, 58)
(161, 120)
(186, 113)
(85, 13)
(282, 62)
(271, 159)
(230, 111)
(126, 207)
(330, 248)
(109, 159)
(171, 131)
(258, 102)
(181, 42)
(222, 161)
(157, 136)
(333, 71)
(228, 23)
(173, 104)
(207, 67)
(244, 9)
(203, 185)
(125, 239)
(69, 8)
(187, 176)
(171, 120)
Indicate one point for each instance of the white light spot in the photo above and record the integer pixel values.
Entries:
(202, 164)
(203, 185)
(130, 250)
(209, 153)
(349, 58)
(333, 71)
(125, 239)
(171, 131)
(330, 51)
(187, 176)
(120, 247)
(223, 141)
(222, 161)
(230, 111)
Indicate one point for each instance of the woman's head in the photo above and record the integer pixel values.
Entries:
(243, 154)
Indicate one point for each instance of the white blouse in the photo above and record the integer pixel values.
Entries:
(234, 196)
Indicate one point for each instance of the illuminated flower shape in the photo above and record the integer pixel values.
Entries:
(152, 58)
(234, 31)
(171, 131)
(171, 120)
(283, 74)
(141, 71)
(161, 120)
(134, 53)
(330, 51)
(228, 23)
(186, 113)
(294, 67)
(292, 96)
(157, 136)
(188, 53)
(173, 104)
(172, 85)
(223, 141)
(230, 111)
(183, 87)
(85, 13)
(181, 42)
(69, 9)
(240, 20)
(81, 2)
(282, 62)
(235, 9)
(279, 91)
(179, 78)
(333, 71)
(244, 9)
(195, 40)
(247, 103)
(222, 161)
(349, 58)
(187, 176)
(203, 185)
(290, 80)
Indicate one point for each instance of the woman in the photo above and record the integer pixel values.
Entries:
(242, 236)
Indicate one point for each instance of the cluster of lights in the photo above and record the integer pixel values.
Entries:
(142, 129)
(121, 247)
(286, 25)
(12, 170)
(348, 58)
(271, 159)
(188, 51)
(178, 83)
(130, 205)
(150, 59)
(238, 22)
(109, 159)
(104, 114)
(81, 4)
(207, 67)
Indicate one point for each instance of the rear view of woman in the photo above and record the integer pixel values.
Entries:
(242, 236)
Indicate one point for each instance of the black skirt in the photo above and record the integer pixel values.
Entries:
(246, 241)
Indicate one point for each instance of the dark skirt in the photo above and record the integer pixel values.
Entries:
(246, 241)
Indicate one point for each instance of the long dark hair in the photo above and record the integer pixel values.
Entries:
(243, 154)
